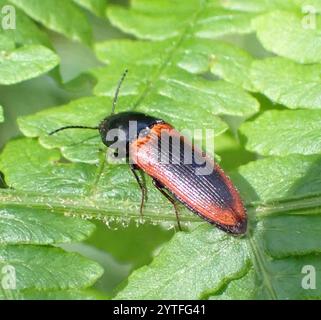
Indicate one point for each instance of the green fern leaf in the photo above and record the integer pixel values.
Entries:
(60, 16)
(292, 132)
(26, 63)
(297, 88)
(98, 7)
(303, 42)
(158, 20)
(26, 31)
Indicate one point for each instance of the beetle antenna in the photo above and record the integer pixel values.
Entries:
(117, 91)
(112, 112)
(72, 127)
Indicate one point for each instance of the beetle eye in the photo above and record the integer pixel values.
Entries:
(144, 132)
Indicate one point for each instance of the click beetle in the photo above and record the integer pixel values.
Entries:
(211, 196)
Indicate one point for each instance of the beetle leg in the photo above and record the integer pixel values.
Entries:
(142, 186)
(161, 188)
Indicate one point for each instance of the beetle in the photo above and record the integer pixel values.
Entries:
(212, 196)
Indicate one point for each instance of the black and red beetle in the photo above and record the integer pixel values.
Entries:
(213, 196)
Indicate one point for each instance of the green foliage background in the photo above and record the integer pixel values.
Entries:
(69, 222)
